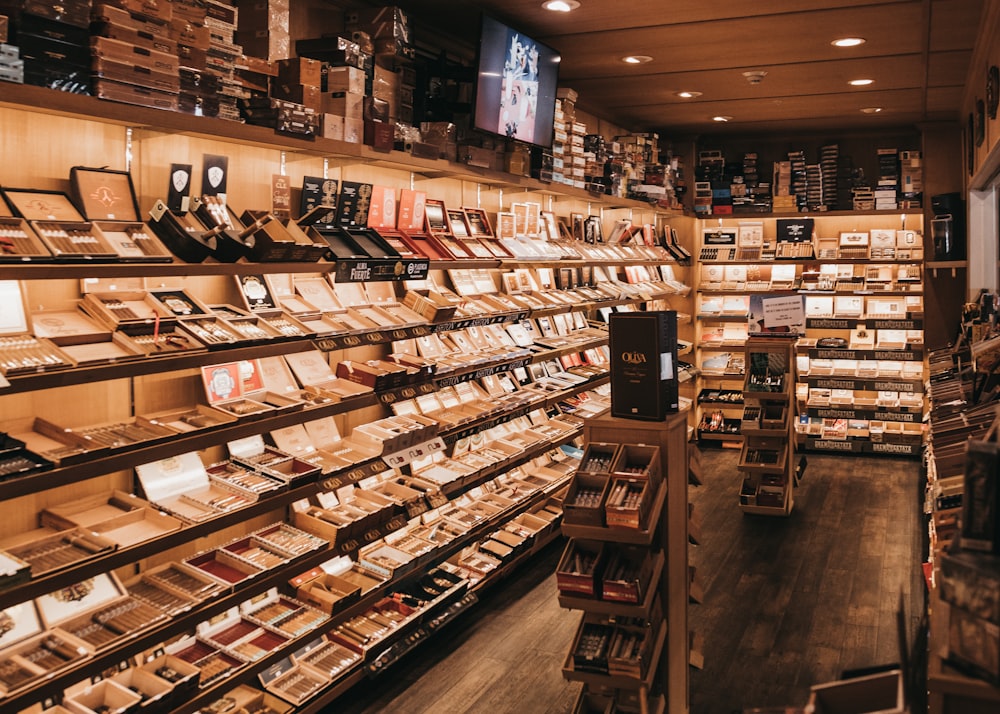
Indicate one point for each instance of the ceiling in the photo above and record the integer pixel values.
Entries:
(916, 51)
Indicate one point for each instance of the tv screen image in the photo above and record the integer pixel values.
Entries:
(515, 85)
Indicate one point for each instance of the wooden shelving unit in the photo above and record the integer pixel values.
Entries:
(663, 685)
(767, 460)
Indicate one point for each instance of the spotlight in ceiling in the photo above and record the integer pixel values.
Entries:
(871, 110)
(755, 76)
(688, 95)
(637, 59)
(721, 118)
(860, 82)
(848, 42)
(560, 5)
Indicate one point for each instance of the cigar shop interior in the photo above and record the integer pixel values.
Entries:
(521, 356)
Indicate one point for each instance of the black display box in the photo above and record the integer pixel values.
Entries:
(644, 364)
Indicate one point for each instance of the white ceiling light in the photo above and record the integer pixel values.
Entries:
(871, 110)
(721, 118)
(560, 5)
(637, 59)
(688, 95)
(848, 42)
(860, 82)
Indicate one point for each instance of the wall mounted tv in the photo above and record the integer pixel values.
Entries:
(515, 84)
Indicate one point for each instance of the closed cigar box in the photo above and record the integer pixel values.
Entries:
(128, 93)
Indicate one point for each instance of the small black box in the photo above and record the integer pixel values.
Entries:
(794, 230)
(644, 364)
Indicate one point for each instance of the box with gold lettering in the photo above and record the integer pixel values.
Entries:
(98, 611)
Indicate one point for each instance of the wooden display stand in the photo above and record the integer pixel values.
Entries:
(666, 532)
(767, 459)
(950, 691)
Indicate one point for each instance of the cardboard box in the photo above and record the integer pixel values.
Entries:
(349, 105)
(872, 694)
(300, 70)
(344, 79)
(644, 364)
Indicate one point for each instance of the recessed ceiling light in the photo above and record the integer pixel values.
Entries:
(871, 110)
(721, 118)
(637, 59)
(860, 82)
(560, 5)
(848, 42)
(688, 95)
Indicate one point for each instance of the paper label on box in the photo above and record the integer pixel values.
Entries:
(74, 600)
(167, 478)
(328, 499)
(222, 382)
(246, 447)
(301, 505)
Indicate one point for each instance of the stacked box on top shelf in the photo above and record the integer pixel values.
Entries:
(262, 28)
(52, 40)
(223, 54)
(560, 139)
(911, 180)
(11, 64)
(133, 58)
(888, 180)
(799, 178)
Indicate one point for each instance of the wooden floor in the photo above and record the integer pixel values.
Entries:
(788, 602)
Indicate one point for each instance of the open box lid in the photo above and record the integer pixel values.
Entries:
(294, 440)
(256, 293)
(104, 194)
(75, 600)
(323, 433)
(318, 293)
(411, 210)
(276, 375)
(13, 315)
(110, 285)
(310, 367)
(224, 382)
(351, 294)
(168, 478)
(18, 622)
(246, 447)
(38, 205)
(382, 291)
(382, 208)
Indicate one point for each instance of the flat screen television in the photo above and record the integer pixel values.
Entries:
(515, 84)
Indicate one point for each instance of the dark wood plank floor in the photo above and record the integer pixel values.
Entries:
(788, 602)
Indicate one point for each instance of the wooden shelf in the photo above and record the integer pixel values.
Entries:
(185, 622)
(620, 681)
(625, 536)
(620, 609)
(40, 100)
